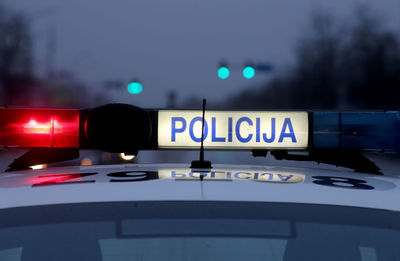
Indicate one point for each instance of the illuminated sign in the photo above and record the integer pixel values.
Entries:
(233, 129)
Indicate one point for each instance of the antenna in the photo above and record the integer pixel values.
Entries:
(202, 164)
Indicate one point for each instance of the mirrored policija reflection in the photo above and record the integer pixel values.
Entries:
(175, 174)
(239, 174)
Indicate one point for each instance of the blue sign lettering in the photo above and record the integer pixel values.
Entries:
(212, 173)
(237, 175)
(177, 175)
(284, 177)
(257, 129)
(197, 174)
(243, 130)
(239, 122)
(230, 129)
(214, 137)
(270, 175)
(192, 122)
(256, 175)
(175, 130)
(272, 138)
(287, 124)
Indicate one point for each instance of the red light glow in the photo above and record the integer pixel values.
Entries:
(39, 128)
(51, 127)
(54, 179)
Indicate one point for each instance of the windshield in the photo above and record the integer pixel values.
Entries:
(198, 231)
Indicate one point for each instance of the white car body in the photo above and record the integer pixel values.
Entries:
(174, 182)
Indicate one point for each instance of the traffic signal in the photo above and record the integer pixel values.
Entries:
(135, 87)
(223, 72)
(249, 72)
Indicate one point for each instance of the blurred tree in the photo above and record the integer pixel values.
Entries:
(315, 74)
(17, 82)
(370, 64)
(354, 65)
(15, 44)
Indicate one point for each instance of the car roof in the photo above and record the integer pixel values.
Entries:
(177, 182)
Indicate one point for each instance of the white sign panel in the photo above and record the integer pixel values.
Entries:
(233, 129)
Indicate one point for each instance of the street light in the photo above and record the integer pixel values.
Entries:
(135, 87)
(249, 72)
(223, 71)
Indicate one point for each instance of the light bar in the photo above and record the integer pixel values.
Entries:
(39, 128)
(123, 128)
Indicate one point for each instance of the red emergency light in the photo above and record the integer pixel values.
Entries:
(39, 128)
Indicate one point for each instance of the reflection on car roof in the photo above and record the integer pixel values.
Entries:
(177, 182)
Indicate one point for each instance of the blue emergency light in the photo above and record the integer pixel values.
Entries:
(356, 130)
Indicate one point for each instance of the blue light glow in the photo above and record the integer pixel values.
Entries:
(249, 72)
(223, 72)
(135, 87)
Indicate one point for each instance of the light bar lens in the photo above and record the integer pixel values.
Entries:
(39, 128)
(357, 130)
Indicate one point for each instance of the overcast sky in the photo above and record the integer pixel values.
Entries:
(176, 44)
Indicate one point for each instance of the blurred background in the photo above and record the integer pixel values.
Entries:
(253, 54)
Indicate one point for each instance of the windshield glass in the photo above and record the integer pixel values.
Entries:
(198, 231)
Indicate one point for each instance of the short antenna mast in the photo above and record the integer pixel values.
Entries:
(202, 164)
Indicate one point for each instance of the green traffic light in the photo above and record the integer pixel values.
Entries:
(135, 87)
(223, 72)
(249, 72)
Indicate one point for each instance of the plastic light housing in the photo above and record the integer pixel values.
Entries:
(39, 128)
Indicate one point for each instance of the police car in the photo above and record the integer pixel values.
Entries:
(199, 210)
